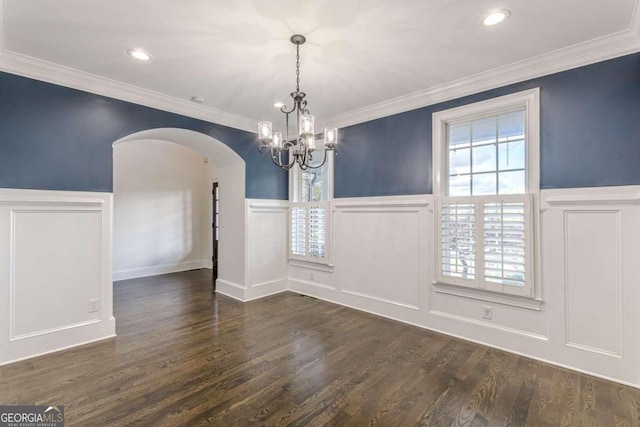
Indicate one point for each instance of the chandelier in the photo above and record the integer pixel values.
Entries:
(302, 144)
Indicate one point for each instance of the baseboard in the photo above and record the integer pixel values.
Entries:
(230, 289)
(57, 341)
(134, 273)
(261, 290)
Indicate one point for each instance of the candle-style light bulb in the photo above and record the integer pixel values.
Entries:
(265, 133)
(306, 125)
(330, 138)
(277, 141)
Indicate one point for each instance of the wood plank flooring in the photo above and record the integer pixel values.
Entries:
(186, 357)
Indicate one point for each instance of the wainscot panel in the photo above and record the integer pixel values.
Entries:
(55, 271)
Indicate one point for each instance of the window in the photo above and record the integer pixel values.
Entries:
(311, 193)
(486, 184)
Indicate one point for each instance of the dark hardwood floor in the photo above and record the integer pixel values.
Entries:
(185, 357)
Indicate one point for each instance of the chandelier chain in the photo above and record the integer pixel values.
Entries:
(297, 68)
(300, 147)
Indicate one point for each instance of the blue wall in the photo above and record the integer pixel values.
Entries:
(56, 138)
(590, 135)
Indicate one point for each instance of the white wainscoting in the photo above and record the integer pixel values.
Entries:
(382, 257)
(266, 251)
(588, 319)
(55, 271)
(591, 269)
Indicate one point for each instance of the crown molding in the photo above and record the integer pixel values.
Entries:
(26, 66)
(589, 52)
(579, 55)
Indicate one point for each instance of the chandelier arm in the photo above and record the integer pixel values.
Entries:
(285, 166)
(272, 154)
(321, 164)
(278, 161)
(283, 109)
(290, 164)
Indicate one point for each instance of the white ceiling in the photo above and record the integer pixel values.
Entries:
(238, 56)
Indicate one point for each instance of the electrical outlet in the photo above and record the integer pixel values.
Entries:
(487, 312)
(312, 276)
(94, 305)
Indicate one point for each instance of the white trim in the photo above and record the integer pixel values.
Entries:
(307, 283)
(272, 292)
(594, 350)
(311, 265)
(530, 100)
(67, 347)
(38, 69)
(525, 334)
(578, 55)
(267, 283)
(154, 270)
(623, 199)
(489, 296)
(384, 300)
(230, 289)
(13, 337)
(589, 52)
(22, 65)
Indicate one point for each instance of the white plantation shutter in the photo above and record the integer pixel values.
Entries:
(317, 231)
(309, 231)
(457, 240)
(310, 223)
(298, 230)
(485, 242)
(507, 244)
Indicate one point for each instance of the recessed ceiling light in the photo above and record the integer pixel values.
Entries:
(496, 17)
(139, 54)
(278, 104)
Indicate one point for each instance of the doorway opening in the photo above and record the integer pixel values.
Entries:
(215, 224)
(225, 254)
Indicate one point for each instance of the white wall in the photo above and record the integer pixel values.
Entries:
(588, 319)
(54, 290)
(162, 199)
(231, 177)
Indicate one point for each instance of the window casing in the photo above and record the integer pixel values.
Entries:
(486, 163)
(311, 192)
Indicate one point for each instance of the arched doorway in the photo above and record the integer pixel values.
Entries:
(231, 178)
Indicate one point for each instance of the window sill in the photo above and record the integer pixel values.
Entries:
(528, 303)
(311, 265)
